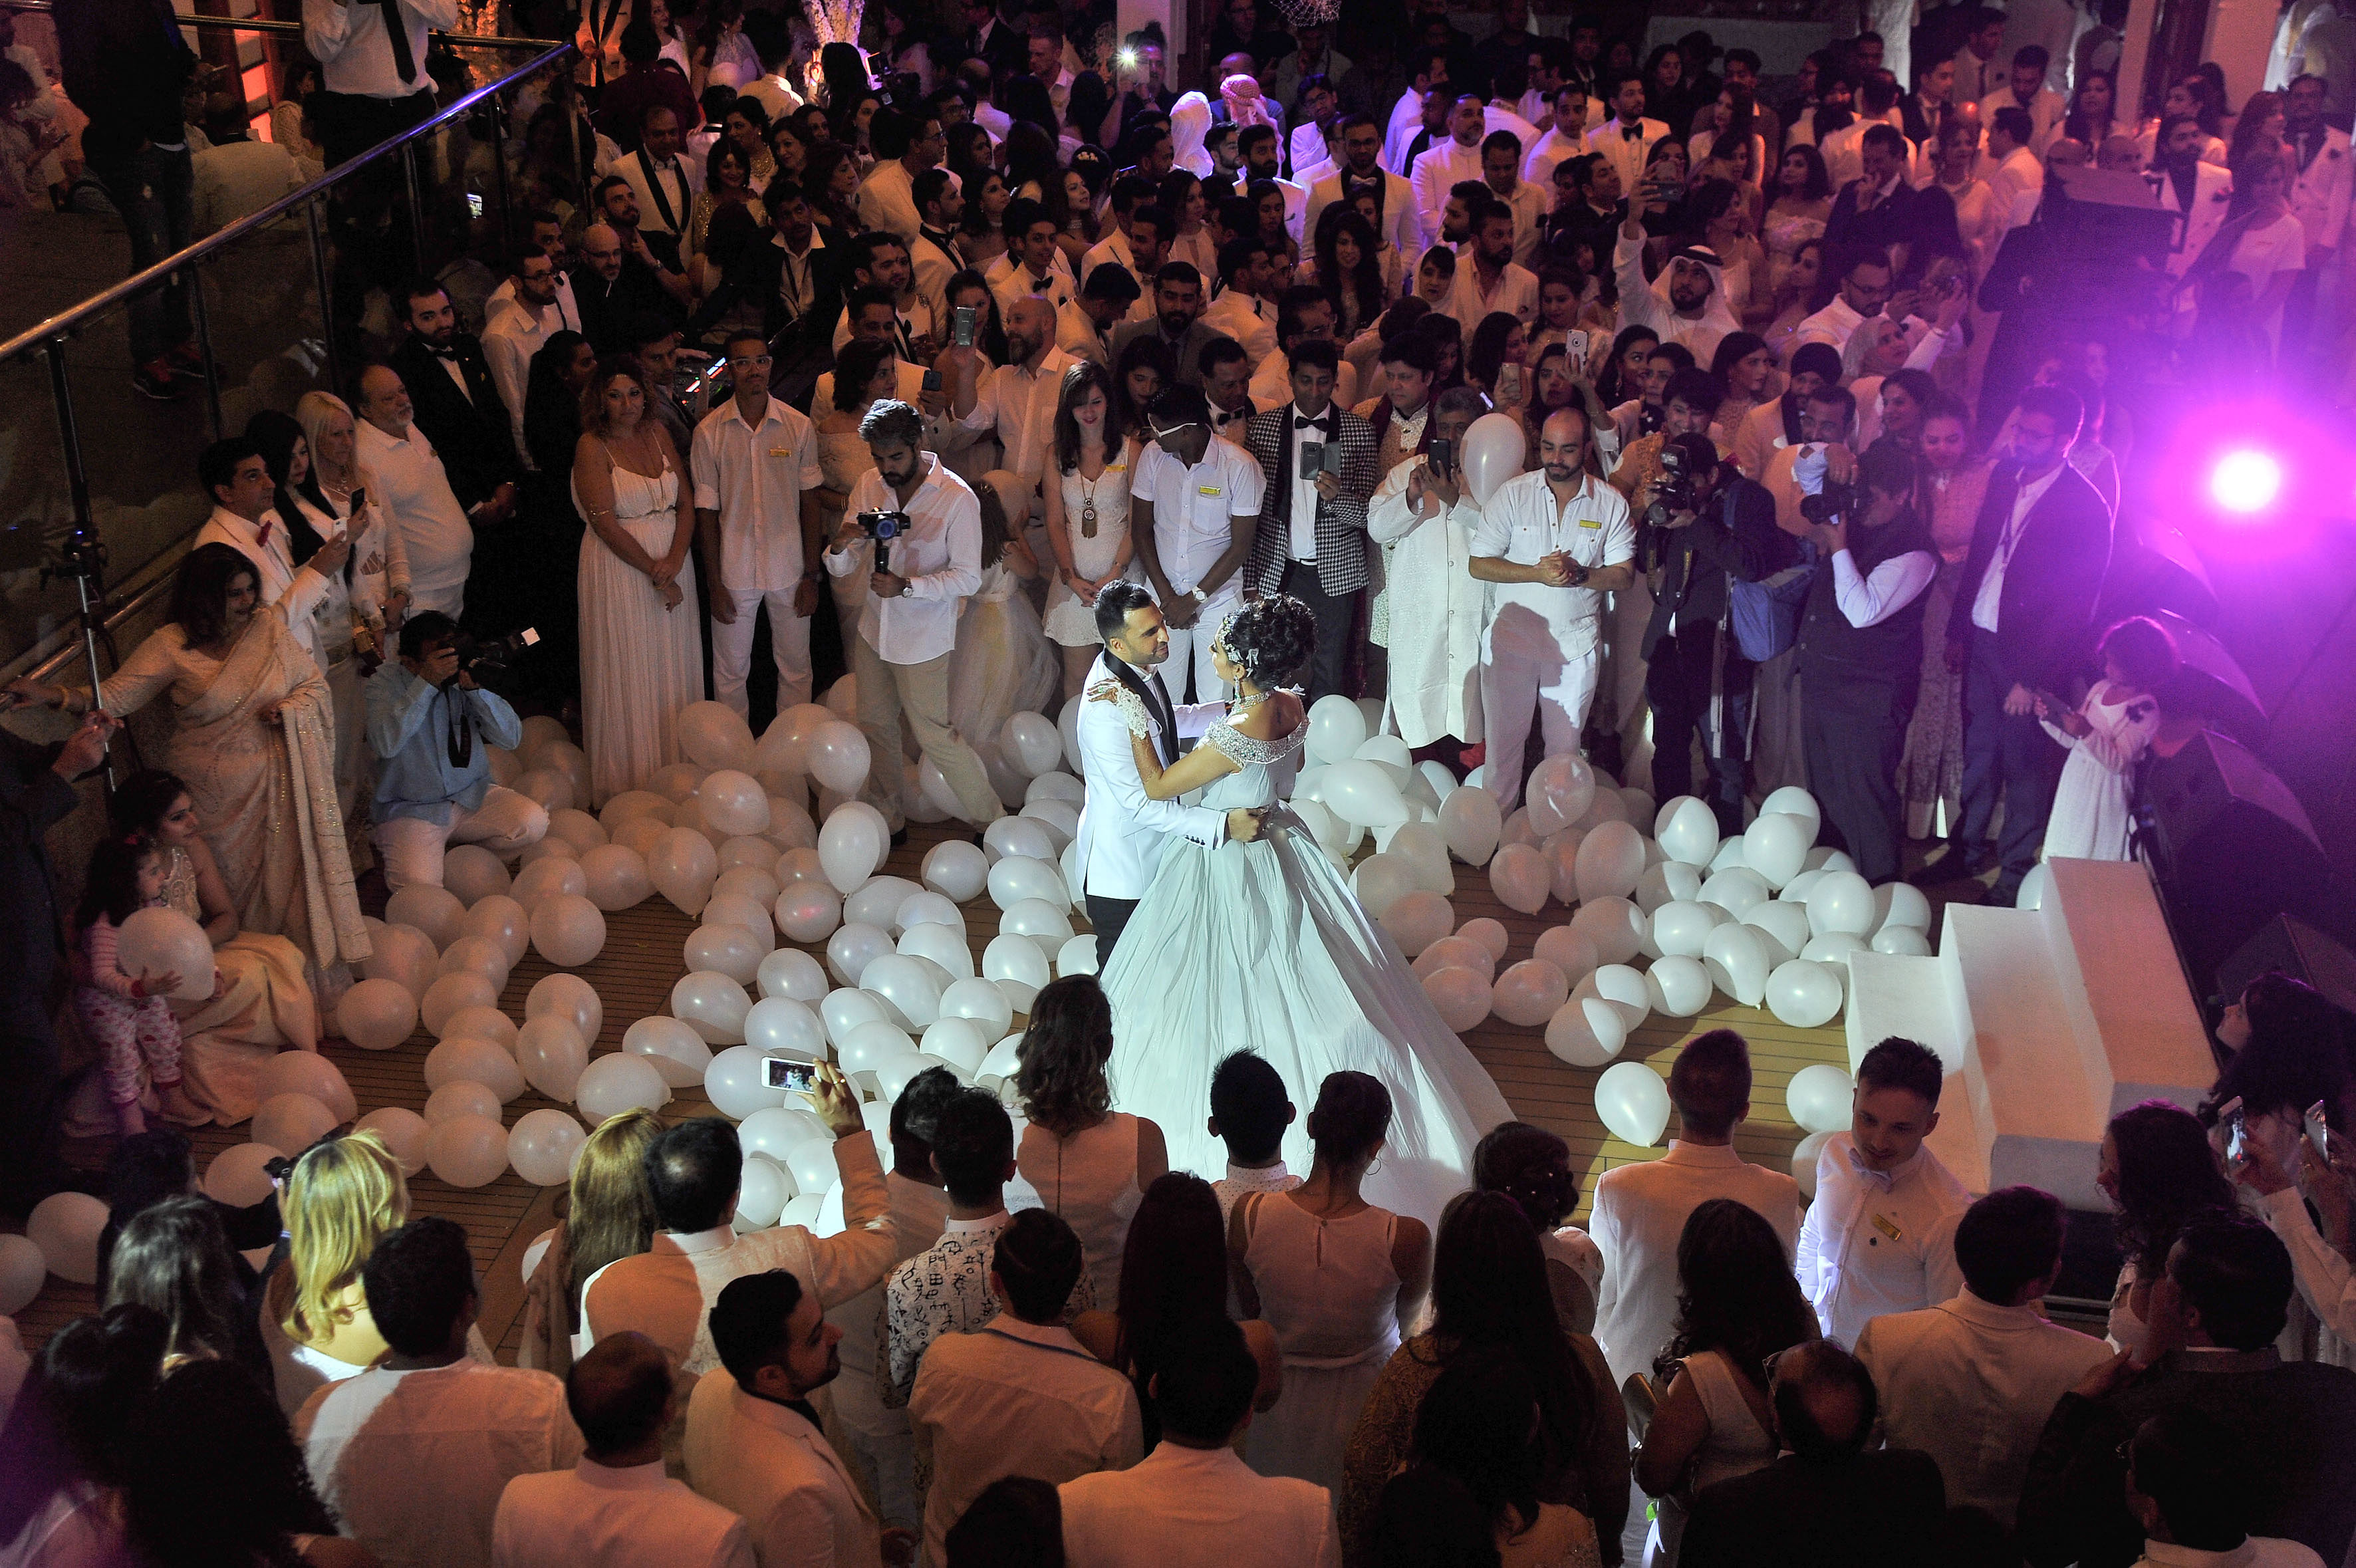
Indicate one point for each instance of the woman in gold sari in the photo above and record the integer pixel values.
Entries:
(254, 742)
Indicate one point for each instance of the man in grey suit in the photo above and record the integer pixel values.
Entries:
(1175, 324)
(1319, 558)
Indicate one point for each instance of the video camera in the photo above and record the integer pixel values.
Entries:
(1671, 493)
(490, 661)
(1830, 503)
(884, 527)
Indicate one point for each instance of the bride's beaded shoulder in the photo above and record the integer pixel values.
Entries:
(1245, 751)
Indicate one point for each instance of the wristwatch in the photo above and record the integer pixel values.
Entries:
(907, 590)
(1197, 595)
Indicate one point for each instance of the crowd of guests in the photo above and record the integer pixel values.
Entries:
(1032, 1343)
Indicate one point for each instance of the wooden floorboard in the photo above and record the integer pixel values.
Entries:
(643, 958)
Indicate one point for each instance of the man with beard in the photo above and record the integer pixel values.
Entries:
(1493, 281)
(456, 404)
(1362, 169)
(1685, 305)
(1176, 321)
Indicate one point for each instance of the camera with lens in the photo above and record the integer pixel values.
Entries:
(492, 661)
(1673, 493)
(1829, 504)
(884, 527)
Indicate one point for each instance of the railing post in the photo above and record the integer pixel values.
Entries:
(69, 437)
(195, 286)
(417, 209)
(327, 300)
(499, 174)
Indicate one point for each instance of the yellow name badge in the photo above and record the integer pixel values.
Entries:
(781, 451)
(1206, 490)
(1887, 1227)
(1590, 523)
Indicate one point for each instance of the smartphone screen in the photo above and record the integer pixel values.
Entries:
(1443, 455)
(474, 204)
(2317, 1134)
(932, 381)
(961, 328)
(783, 1072)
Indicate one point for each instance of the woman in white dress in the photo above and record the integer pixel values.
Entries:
(641, 650)
(1340, 1279)
(1087, 514)
(1262, 947)
(2107, 736)
(1001, 665)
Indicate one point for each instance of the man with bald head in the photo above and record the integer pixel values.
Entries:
(613, 287)
(1017, 400)
(414, 491)
(1826, 1503)
(616, 1508)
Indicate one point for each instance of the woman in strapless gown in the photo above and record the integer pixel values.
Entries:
(1001, 664)
(1262, 947)
(641, 650)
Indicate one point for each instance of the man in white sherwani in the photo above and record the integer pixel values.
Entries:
(1120, 829)
(1424, 514)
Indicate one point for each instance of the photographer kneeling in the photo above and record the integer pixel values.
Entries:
(1706, 528)
(430, 724)
(1861, 647)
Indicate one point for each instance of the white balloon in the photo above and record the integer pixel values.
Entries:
(1669, 882)
(446, 995)
(1522, 877)
(542, 1145)
(552, 1055)
(402, 954)
(1688, 830)
(926, 907)
(291, 1122)
(1381, 881)
(789, 971)
(157, 941)
(1530, 993)
(774, 1131)
(942, 945)
(871, 1044)
(812, 1164)
(1841, 902)
(852, 948)
(1462, 996)
(502, 922)
(405, 1134)
(1019, 876)
(980, 1000)
(437, 911)
(1633, 1103)
(375, 1015)
(1336, 729)
(1042, 921)
(761, 1189)
(631, 804)
(1818, 1098)
(2035, 887)
(910, 997)
(473, 873)
(462, 1060)
(1833, 948)
(1470, 820)
(579, 828)
(235, 1178)
(1678, 986)
(1682, 929)
(567, 929)
(711, 1005)
(727, 948)
(1017, 958)
(1775, 845)
(1783, 924)
(1803, 1162)
(843, 1010)
(1738, 959)
(1796, 891)
(683, 867)
(1624, 986)
(66, 1227)
(1361, 793)
(461, 1097)
(1457, 953)
(1615, 925)
(956, 870)
(851, 847)
(474, 955)
(548, 875)
(1018, 835)
(960, 1042)
(1792, 801)
(570, 998)
(1029, 742)
(622, 1082)
(1587, 1031)
(877, 902)
(1417, 920)
(1560, 790)
(733, 1083)
(1804, 994)
(1077, 956)
(808, 911)
(735, 802)
(837, 756)
(23, 1269)
(309, 1072)
(1611, 859)
(670, 1048)
(1570, 950)
(1491, 454)
(1904, 941)
(744, 912)
(467, 1151)
(1738, 890)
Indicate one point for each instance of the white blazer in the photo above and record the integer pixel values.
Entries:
(2320, 197)
(1120, 839)
(774, 1470)
(2212, 192)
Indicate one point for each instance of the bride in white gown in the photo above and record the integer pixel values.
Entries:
(1262, 946)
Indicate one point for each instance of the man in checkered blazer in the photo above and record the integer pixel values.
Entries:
(1312, 539)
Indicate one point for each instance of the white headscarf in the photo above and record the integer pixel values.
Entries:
(1190, 123)
(1718, 318)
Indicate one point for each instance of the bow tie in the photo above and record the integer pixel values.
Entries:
(439, 353)
(1324, 423)
(1882, 1179)
(1632, 132)
(1221, 418)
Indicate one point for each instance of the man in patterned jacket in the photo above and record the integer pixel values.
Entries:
(1319, 463)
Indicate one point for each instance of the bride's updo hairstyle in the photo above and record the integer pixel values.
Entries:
(1271, 640)
(1351, 1114)
(1060, 1075)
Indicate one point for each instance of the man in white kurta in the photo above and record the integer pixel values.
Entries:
(1426, 517)
(755, 462)
(1551, 543)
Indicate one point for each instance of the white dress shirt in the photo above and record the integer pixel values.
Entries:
(1120, 837)
(1515, 293)
(1836, 324)
(1019, 403)
(939, 556)
(776, 1472)
(1196, 1508)
(1990, 599)
(1639, 1213)
(1625, 153)
(1010, 281)
(2046, 108)
(1436, 607)
(1538, 163)
(1248, 318)
(2323, 1276)
(1402, 224)
(1302, 430)
(417, 498)
(1241, 1179)
(514, 337)
(303, 590)
(2319, 192)
(413, 1462)
(1868, 599)
(1522, 523)
(594, 1516)
(753, 476)
(355, 52)
(563, 316)
(1438, 169)
(2018, 183)
(1015, 1399)
(1876, 1242)
(1197, 510)
(1271, 384)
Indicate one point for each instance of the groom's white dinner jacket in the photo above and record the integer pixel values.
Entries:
(1120, 830)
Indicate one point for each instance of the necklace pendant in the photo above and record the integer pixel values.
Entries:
(1089, 519)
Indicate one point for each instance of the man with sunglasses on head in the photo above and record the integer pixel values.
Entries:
(755, 462)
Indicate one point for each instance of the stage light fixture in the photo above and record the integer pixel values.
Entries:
(2245, 482)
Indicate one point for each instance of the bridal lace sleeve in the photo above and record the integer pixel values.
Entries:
(1245, 751)
(1133, 712)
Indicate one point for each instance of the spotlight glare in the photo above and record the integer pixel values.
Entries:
(2245, 482)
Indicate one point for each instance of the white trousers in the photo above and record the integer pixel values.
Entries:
(506, 823)
(1560, 686)
(1191, 649)
(731, 648)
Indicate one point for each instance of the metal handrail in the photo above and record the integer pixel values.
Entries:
(269, 25)
(65, 324)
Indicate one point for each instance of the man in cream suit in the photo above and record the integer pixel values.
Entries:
(1120, 829)
(2197, 192)
(753, 1441)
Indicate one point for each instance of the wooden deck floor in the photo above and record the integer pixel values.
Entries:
(642, 958)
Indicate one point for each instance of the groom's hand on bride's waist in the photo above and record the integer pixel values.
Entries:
(1243, 824)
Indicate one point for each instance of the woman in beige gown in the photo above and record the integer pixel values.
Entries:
(1931, 771)
(254, 740)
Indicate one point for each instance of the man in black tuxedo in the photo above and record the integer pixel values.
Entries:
(2023, 623)
(1826, 1503)
(1880, 211)
(1320, 560)
(457, 404)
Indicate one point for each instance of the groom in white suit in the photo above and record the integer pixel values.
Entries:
(1120, 829)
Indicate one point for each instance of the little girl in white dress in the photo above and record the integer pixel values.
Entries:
(2107, 736)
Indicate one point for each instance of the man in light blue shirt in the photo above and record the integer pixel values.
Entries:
(429, 724)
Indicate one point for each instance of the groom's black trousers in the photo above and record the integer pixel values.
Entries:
(1108, 916)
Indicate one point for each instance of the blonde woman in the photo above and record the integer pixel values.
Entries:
(339, 1198)
(609, 1213)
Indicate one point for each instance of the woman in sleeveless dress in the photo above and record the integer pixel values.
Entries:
(1088, 1162)
(1262, 946)
(1087, 514)
(1737, 1306)
(1339, 1280)
(641, 650)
